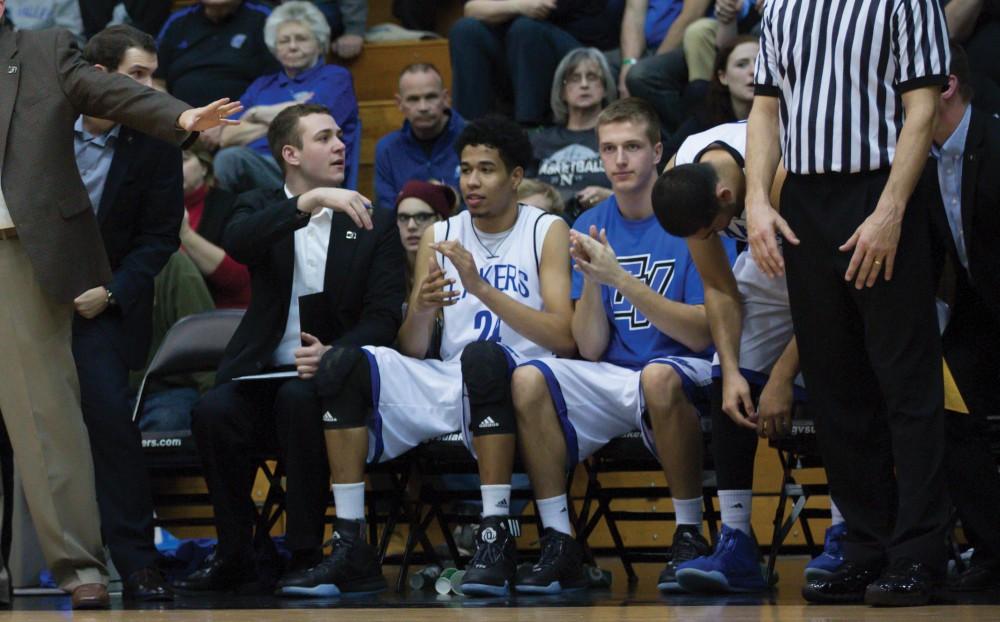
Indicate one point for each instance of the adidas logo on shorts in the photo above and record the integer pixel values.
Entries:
(488, 423)
(328, 418)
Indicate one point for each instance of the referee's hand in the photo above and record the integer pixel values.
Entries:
(874, 244)
(763, 226)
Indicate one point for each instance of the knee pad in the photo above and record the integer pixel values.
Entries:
(343, 381)
(486, 373)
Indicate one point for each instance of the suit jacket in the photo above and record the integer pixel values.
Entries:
(44, 86)
(139, 217)
(364, 280)
(972, 339)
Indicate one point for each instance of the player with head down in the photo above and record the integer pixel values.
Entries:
(498, 273)
(756, 381)
(640, 322)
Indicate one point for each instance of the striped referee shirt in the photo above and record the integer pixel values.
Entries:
(839, 68)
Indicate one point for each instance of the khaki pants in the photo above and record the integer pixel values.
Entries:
(40, 402)
(699, 48)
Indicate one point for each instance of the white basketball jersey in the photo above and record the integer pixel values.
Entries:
(509, 262)
(767, 323)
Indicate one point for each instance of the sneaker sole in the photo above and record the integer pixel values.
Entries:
(552, 588)
(819, 598)
(712, 582)
(669, 586)
(330, 590)
(817, 574)
(485, 589)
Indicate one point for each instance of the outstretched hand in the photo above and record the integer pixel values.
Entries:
(212, 115)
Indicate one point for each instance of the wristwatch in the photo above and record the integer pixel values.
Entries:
(111, 297)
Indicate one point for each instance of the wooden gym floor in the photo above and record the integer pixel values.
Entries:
(640, 603)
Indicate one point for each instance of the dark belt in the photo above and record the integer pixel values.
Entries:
(8, 234)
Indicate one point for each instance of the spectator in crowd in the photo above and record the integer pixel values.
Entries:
(976, 25)
(966, 159)
(134, 183)
(297, 35)
(206, 210)
(512, 47)
(213, 49)
(146, 15)
(541, 195)
(39, 14)
(730, 94)
(423, 147)
(297, 241)
(706, 36)
(347, 20)
(419, 205)
(567, 153)
(51, 251)
(659, 77)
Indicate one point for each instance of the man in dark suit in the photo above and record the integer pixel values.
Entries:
(135, 185)
(967, 157)
(51, 252)
(324, 271)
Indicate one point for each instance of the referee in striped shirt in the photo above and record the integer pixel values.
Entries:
(853, 87)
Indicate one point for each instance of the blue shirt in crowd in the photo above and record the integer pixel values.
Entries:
(949, 166)
(327, 85)
(659, 259)
(400, 157)
(94, 155)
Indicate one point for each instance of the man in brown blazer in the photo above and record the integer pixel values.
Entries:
(51, 252)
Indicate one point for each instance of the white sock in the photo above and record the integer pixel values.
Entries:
(835, 513)
(736, 506)
(496, 499)
(555, 514)
(350, 500)
(688, 511)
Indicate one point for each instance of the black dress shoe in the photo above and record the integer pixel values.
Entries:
(905, 583)
(146, 585)
(219, 575)
(846, 585)
(978, 577)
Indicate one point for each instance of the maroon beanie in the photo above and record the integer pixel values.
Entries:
(441, 198)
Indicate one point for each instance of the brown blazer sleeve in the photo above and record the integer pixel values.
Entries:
(115, 96)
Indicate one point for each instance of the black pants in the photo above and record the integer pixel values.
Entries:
(147, 15)
(233, 423)
(972, 349)
(871, 359)
(123, 491)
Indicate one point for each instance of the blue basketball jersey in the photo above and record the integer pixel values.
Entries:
(659, 259)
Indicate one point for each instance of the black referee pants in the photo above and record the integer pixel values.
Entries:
(871, 359)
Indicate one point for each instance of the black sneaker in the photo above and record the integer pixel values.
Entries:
(688, 544)
(219, 574)
(559, 566)
(352, 567)
(846, 585)
(491, 570)
(905, 583)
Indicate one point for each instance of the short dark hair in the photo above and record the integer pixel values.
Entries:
(632, 110)
(960, 69)
(684, 199)
(284, 129)
(108, 47)
(502, 134)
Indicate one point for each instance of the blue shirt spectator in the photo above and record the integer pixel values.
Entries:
(422, 149)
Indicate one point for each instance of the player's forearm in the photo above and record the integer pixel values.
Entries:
(415, 333)
(763, 148)
(549, 330)
(590, 324)
(725, 319)
(786, 368)
(962, 16)
(684, 323)
(913, 146)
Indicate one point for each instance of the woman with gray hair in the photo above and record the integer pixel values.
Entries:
(298, 35)
(567, 153)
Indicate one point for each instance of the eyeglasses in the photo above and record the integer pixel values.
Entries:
(577, 78)
(421, 218)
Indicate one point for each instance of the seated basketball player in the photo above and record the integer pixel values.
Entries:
(640, 323)
(499, 273)
(756, 368)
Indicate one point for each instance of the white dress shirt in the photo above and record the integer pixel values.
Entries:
(311, 247)
(949, 166)
(5, 220)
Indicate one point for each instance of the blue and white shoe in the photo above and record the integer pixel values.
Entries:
(732, 567)
(832, 557)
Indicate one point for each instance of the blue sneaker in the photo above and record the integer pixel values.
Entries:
(832, 557)
(732, 567)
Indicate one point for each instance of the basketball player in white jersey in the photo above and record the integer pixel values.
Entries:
(756, 377)
(498, 273)
(640, 323)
